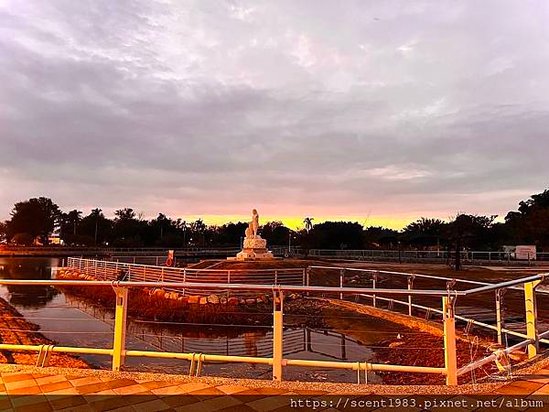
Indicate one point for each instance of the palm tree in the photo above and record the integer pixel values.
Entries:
(308, 222)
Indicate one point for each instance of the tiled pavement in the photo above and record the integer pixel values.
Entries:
(82, 392)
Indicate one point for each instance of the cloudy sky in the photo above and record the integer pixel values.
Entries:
(377, 111)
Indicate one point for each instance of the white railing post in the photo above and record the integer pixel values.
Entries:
(374, 281)
(276, 277)
(341, 280)
(410, 286)
(278, 329)
(450, 356)
(119, 342)
(499, 318)
(531, 317)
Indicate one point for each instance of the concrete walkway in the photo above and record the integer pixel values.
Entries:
(86, 390)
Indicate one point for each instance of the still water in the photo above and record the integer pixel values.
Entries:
(71, 321)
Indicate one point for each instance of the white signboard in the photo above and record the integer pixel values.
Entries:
(525, 252)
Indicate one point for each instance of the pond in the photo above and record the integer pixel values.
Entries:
(71, 321)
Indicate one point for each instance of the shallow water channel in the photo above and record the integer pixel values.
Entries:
(71, 321)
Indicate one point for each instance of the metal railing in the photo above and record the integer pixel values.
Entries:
(470, 257)
(112, 270)
(119, 351)
(346, 275)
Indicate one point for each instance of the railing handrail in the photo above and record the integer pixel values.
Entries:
(483, 286)
(232, 286)
(178, 269)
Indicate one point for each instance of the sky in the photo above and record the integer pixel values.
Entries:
(373, 111)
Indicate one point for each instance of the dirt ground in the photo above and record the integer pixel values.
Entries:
(14, 329)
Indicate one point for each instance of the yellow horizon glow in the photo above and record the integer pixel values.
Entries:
(296, 222)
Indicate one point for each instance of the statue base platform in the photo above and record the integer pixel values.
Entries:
(253, 249)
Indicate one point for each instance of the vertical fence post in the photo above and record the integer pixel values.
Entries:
(450, 357)
(410, 286)
(308, 279)
(184, 280)
(374, 281)
(303, 282)
(341, 280)
(531, 317)
(276, 277)
(499, 319)
(119, 343)
(278, 302)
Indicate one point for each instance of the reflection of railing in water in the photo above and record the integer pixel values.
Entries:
(248, 343)
(251, 341)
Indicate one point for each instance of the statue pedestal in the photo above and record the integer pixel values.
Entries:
(254, 248)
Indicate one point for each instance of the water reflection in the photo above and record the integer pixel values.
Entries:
(72, 321)
(28, 268)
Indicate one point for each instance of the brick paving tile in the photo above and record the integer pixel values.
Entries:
(192, 387)
(5, 402)
(206, 392)
(544, 390)
(80, 408)
(108, 403)
(268, 404)
(17, 376)
(55, 386)
(68, 391)
(520, 387)
(27, 400)
(231, 389)
(179, 400)
(239, 408)
(40, 375)
(166, 390)
(37, 407)
(131, 389)
(251, 395)
(122, 409)
(20, 384)
(156, 384)
(210, 405)
(61, 402)
(30, 390)
(51, 379)
(80, 381)
(154, 405)
(119, 383)
(91, 388)
(276, 391)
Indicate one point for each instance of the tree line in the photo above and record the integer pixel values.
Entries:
(34, 220)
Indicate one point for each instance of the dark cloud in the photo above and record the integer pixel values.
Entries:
(209, 107)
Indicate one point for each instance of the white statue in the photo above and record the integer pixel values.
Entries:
(254, 247)
(254, 223)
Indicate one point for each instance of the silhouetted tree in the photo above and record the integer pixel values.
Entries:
(275, 233)
(36, 217)
(94, 229)
(69, 226)
(424, 232)
(336, 235)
